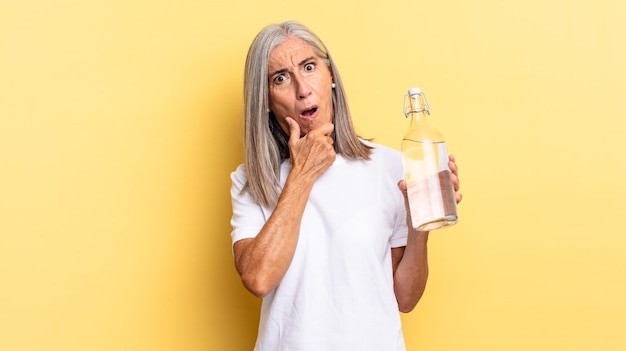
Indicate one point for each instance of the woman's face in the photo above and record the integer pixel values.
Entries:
(299, 86)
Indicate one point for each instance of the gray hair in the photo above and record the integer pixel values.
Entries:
(265, 142)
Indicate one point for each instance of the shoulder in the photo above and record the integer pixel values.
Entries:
(238, 176)
(384, 161)
(382, 152)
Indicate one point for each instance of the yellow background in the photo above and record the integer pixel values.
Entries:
(120, 122)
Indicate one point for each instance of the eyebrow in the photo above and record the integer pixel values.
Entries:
(282, 70)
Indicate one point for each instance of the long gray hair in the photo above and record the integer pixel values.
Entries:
(265, 142)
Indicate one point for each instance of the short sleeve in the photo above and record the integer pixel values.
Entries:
(248, 216)
(400, 233)
(400, 229)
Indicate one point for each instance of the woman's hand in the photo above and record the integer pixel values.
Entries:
(454, 178)
(410, 263)
(312, 154)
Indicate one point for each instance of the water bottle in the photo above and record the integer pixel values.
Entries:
(430, 192)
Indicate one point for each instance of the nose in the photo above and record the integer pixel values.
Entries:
(303, 89)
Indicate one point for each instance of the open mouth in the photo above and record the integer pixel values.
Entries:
(309, 112)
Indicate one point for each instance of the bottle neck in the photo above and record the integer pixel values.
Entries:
(418, 106)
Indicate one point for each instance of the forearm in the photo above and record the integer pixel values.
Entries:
(263, 261)
(411, 273)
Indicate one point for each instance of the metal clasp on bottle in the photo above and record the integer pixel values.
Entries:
(407, 107)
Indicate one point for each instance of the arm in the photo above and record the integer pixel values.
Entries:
(410, 263)
(262, 261)
(410, 266)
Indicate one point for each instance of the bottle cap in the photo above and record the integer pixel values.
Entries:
(414, 91)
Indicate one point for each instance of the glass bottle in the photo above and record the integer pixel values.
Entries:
(430, 192)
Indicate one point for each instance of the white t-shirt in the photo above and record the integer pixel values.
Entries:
(337, 294)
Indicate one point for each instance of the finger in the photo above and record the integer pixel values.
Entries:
(294, 130)
(452, 164)
(453, 167)
(403, 188)
(324, 129)
(456, 183)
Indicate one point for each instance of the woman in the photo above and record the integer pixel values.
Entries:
(319, 224)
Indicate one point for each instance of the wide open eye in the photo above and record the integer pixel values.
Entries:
(280, 79)
(309, 67)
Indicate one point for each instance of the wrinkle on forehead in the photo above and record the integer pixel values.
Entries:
(290, 53)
